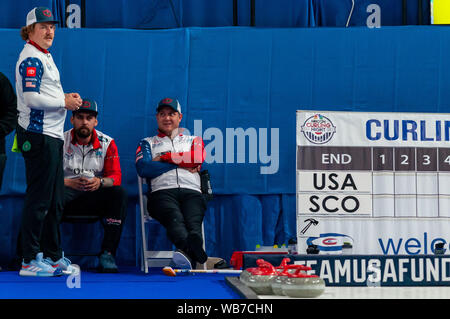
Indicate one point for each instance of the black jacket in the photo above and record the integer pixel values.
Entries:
(8, 110)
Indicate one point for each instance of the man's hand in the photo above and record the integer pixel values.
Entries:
(72, 101)
(74, 183)
(92, 184)
(193, 169)
(83, 184)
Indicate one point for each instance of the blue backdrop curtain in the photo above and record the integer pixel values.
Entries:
(229, 78)
(158, 14)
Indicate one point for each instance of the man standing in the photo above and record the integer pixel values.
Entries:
(171, 163)
(42, 106)
(8, 117)
(93, 177)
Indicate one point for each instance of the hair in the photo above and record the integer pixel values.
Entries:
(26, 30)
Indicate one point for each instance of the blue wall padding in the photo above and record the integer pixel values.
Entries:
(270, 213)
(235, 223)
(234, 78)
(286, 229)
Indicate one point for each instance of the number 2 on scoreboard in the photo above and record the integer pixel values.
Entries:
(405, 159)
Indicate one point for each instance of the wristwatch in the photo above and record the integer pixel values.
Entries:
(102, 182)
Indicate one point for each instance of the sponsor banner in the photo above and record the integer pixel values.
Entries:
(385, 236)
(372, 271)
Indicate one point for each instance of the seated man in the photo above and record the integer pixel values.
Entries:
(92, 178)
(171, 163)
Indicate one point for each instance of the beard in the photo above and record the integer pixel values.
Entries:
(83, 132)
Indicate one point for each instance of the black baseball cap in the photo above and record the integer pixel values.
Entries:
(89, 106)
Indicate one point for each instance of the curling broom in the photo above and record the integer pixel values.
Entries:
(169, 271)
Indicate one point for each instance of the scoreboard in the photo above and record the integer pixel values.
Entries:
(384, 175)
(374, 181)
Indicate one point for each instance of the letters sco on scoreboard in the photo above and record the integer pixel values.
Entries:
(373, 164)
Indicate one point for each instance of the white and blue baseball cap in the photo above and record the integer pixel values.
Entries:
(40, 14)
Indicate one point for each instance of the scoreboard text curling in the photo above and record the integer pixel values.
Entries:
(373, 180)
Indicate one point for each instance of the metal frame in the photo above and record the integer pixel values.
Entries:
(153, 258)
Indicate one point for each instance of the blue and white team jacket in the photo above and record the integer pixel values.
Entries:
(183, 151)
(40, 96)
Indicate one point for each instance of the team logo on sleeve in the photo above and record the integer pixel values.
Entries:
(31, 71)
(318, 129)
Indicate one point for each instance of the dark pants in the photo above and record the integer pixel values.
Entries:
(44, 196)
(2, 167)
(181, 212)
(109, 202)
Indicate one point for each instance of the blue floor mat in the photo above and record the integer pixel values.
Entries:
(128, 284)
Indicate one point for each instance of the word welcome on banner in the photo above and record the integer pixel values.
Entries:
(378, 183)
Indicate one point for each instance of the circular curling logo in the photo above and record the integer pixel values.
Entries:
(318, 129)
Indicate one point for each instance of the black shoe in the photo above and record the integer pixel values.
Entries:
(107, 264)
(195, 243)
(222, 264)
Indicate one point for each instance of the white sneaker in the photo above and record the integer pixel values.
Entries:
(39, 268)
(180, 260)
(65, 265)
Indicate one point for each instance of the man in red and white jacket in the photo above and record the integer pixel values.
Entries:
(92, 178)
(171, 161)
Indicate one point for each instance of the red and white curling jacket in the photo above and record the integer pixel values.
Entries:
(177, 156)
(100, 157)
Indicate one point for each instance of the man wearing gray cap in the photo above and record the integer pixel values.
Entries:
(92, 176)
(42, 106)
